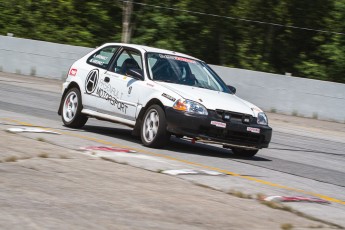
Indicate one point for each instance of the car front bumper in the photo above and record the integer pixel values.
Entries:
(236, 133)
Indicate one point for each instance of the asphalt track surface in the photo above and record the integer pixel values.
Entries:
(294, 159)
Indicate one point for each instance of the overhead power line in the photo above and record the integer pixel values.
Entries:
(235, 18)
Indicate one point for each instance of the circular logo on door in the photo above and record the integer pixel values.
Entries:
(91, 81)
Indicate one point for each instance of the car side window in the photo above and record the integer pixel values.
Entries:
(128, 59)
(102, 57)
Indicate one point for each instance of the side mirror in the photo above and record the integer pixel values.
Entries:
(135, 73)
(232, 89)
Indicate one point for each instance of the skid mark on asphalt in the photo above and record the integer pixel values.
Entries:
(301, 149)
(309, 151)
(331, 199)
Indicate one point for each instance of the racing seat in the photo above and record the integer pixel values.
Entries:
(190, 80)
(163, 71)
(129, 63)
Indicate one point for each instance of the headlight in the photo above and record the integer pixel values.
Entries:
(262, 119)
(190, 107)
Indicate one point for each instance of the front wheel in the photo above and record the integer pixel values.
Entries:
(153, 128)
(244, 152)
(71, 110)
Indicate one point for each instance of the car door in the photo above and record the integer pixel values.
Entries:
(96, 65)
(124, 89)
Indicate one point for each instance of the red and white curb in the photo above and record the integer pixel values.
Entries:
(114, 153)
(107, 149)
(295, 199)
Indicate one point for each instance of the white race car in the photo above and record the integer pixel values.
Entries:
(161, 93)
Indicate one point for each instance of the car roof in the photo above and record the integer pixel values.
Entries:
(152, 49)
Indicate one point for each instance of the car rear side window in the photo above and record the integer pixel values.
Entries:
(128, 59)
(102, 57)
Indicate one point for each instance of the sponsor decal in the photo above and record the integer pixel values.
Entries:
(253, 130)
(150, 84)
(111, 94)
(104, 58)
(73, 72)
(218, 124)
(99, 59)
(104, 90)
(166, 56)
(97, 62)
(91, 81)
(256, 109)
(130, 90)
(169, 97)
(184, 59)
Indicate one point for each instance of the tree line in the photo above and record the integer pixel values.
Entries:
(304, 38)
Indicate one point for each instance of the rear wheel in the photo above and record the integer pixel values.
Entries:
(244, 152)
(153, 128)
(71, 110)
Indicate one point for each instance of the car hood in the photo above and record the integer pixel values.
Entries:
(211, 99)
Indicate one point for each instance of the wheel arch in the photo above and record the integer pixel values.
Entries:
(137, 127)
(73, 84)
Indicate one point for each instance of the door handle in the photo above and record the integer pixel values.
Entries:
(107, 79)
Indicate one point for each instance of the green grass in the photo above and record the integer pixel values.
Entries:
(240, 194)
(114, 161)
(33, 71)
(316, 226)
(280, 206)
(41, 139)
(63, 156)
(43, 155)
(11, 159)
(315, 115)
(276, 205)
(286, 226)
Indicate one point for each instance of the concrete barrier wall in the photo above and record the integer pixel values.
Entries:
(271, 92)
(288, 95)
(37, 58)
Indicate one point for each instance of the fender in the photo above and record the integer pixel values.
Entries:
(157, 93)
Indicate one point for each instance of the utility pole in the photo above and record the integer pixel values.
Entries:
(126, 21)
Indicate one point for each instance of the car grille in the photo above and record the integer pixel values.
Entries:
(233, 116)
(233, 136)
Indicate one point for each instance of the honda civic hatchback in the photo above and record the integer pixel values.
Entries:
(160, 93)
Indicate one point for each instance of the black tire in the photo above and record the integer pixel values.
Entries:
(244, 152)
(71, 109)
(153, 128)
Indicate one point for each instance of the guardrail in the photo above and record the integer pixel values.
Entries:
(271, 92)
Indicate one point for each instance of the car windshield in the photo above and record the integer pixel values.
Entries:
(183, 71)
